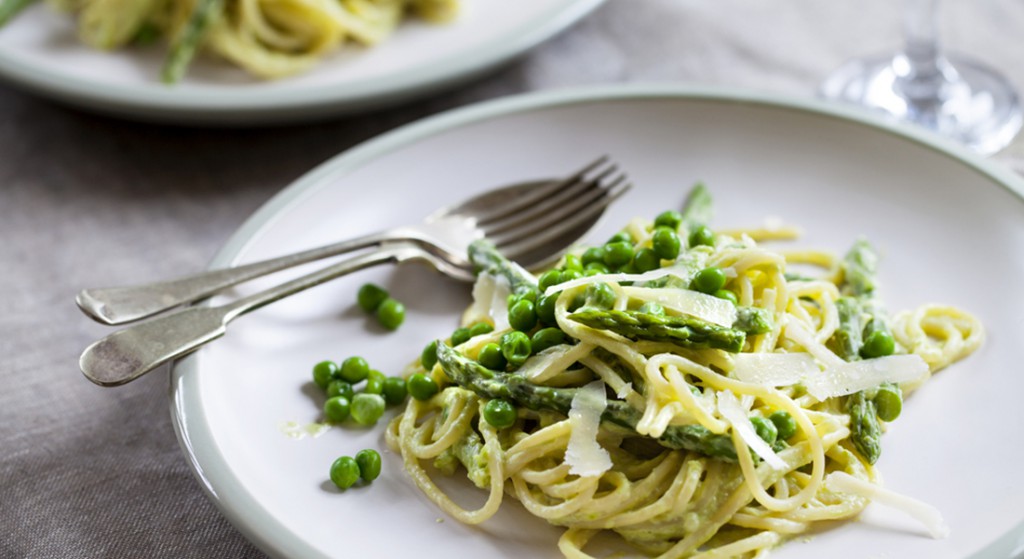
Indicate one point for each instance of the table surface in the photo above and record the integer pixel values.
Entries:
(87, 200)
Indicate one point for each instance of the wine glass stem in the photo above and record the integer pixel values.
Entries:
(921, 68)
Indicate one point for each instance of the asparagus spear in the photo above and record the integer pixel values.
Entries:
(697, 209)
(486, 258)
(684, 331)
(10, 8)
(859, 267)
(866, 434)
(863, 332)
(508, 386)
(753, 320)
(184, 48)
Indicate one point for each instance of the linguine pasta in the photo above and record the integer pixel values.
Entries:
(267, 38)
(725, 491)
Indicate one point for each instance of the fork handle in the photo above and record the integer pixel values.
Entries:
(132, 352)
(120, 305)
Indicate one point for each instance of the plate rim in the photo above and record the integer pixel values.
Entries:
(256, 523)
(230, 104)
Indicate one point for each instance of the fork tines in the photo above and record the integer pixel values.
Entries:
(551, 210)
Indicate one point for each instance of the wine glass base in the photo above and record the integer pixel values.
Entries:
(978, 108)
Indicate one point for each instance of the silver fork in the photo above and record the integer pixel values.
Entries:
(517, 218)
(531, 223)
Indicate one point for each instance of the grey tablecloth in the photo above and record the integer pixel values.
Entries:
(87, 200)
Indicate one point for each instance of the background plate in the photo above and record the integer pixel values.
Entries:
(949, 226)
(39, 51)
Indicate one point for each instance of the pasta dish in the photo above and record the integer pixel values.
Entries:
(267, 38)
(682, 388)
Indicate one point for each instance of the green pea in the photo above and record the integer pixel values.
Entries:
(573, 262)
(522, 316)
(370, 296)
(500, 413)
(345, 472)
(600, 295)
(596, 267)
(669, 218)
(527, 292)
(888, 401)
(421, 386)
(590, 272)
(324, 372)
(354, 369)
(336, 409)
(460, 336)
(515, 347)
(367, 408)
(545, 308)
(618, 254)
(368, 461)
(593, 255)
(727, 295)
(490, 356)
(620, 237)
(765, 429)
(428, 358)
(549, 278)
(651, 307)
(709, 280)
(665, 243)
(569, 275)
(391, 314)
(479, 329)
(785, 425)
(646, 260)
(374, 382)
(545, 338)
(339, 388)
(878, 343)
(394, 391)
(701, 235)
(578, 301)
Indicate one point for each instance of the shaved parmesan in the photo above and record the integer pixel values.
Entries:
(847, 378)
(800, 335)
(553, 360)
(734, 413)
(490, 301)
(583, 454)
(774, 369)
(694, 303)
(681, 272)
(929, 516)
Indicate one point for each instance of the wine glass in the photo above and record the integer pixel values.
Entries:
(955, 96)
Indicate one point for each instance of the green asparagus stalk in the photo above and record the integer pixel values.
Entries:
(10, 8)
(847, 341)
(864, 332)
(187, 43)
(486, 258)
(753, 320)
(698, 208)
(684, 331)
(859, 267)
(489, 384)
(866, 433)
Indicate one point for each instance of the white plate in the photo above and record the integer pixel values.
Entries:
(39, 51)
(949, 225)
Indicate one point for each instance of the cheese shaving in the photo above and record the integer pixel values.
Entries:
(847, 378)
(583, 454)
(774, 369)
(731, 409)
(929, 516)
(694, 303)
